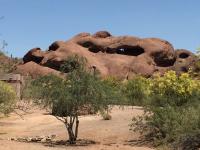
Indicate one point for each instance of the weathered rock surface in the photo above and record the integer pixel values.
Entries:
(122, 56)
(33, 69)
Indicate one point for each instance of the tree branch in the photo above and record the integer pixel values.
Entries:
(63, 121)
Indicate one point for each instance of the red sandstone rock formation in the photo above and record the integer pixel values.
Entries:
(122, 56)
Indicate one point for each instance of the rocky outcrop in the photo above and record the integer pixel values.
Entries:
(122, 56)
(184, 60)
(34, 70)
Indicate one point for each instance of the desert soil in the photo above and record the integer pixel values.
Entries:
(112, 134)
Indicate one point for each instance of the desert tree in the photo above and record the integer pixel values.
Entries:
(67, 96)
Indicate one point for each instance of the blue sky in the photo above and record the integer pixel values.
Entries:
(37, 23)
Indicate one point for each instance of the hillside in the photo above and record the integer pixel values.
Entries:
(8, 64)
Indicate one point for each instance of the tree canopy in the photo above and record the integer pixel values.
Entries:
(67, 96)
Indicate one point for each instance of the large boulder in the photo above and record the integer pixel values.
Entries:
(102, 34)
(184, 61)
(122, 56)
(34, 70)
(35, 55)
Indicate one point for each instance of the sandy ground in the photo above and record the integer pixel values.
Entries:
(109, 135)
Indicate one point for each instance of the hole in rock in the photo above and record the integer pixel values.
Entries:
(162, 60)
(93, 48)
(130, 50)
(53, 64)
(87, 44)
(184, 69)
(183, 55)
(33, 58)
(37, 59)
(53, 47)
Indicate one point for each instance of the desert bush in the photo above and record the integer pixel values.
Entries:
(114, 85)
(7, 98)
(172, 112)
(174, 90)
(67, 96)
(72, 63)
(136, 90)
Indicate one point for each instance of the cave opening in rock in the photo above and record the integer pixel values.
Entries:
(33, 58)
(130, 50)
(91, 47)
(183, 55)
(37, 59)
(163, 60)
(53, 64)
(53, 47)
(184, 69)
(87, 44)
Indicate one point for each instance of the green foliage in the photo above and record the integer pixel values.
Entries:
(7, 65)
(72, 63)
(46, 89)
(137, 90)
(26, 89)
(113, 88)
(113, 82)
(7, 98)
(66, 97)
(172, 112)
(174, 90)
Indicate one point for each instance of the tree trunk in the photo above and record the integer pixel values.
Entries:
(72, 139)
(70, 126)
(76, 127)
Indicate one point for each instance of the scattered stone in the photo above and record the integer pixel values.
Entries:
(13, 139)
(36, 139)
(43, 140)
(51, 141)
(29, 139)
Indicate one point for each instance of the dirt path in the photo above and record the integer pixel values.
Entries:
(111, 135)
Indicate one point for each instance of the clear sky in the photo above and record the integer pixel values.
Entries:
(37, 23)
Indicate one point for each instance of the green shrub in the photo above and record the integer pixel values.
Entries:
(72, 63)
(113, 86)
(7, 98)
(172, 112)
(174, 90)
(136, 90)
